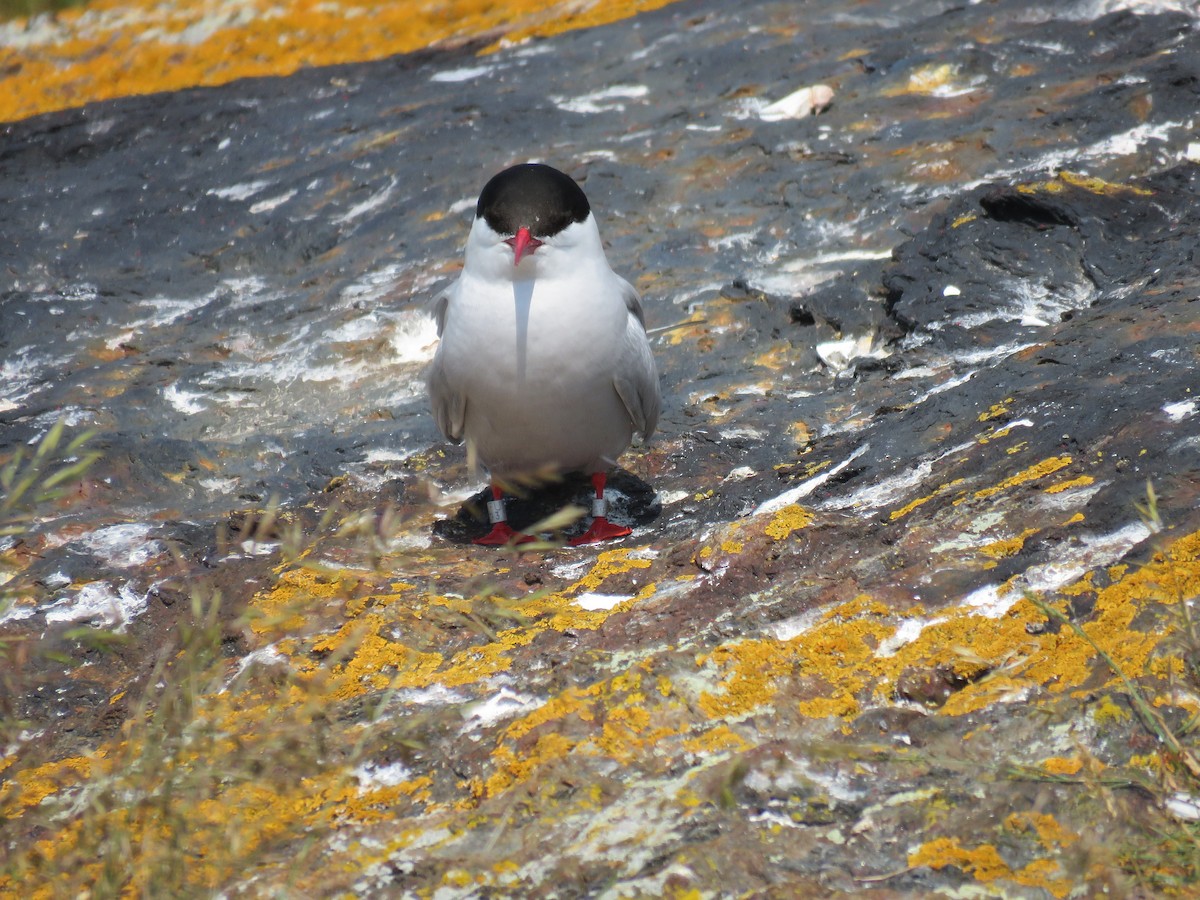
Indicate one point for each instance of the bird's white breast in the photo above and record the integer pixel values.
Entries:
(535, 360)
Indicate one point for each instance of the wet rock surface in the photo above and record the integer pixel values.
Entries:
(921, 354)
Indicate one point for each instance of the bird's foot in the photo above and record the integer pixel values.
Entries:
(600, 530)
(502, 533)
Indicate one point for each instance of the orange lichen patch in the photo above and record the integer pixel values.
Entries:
(716, 316)
(791, 518)
(1086, 182)
(370, 656)
(609, 563)
(1106, 711)
(1046, 874)
(996, 410)
(986, 691)
(1047, 828)
(472, 665)
(691, 329)
(920, 501)
(808, 469)
(376, 662)
(777, 357)
(842, 705)
(218, 798)
(716, 740)
(28, 788)
(1081, 481)
(514, 767)
(627, 732)
(984, 864)
(838, 658)
(1169, 578)
(999, 433)
(117, 48)
(801, 434)
(753, 668)
(1008, 547)
(609, 718)
(1034, 472)
(1059, 765)
(281, 608)
(836, 649)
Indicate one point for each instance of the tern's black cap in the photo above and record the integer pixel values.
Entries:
(534, 196)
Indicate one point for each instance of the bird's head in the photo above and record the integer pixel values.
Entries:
(532, 221)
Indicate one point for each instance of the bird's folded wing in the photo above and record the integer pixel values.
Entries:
(449, 405)
(636, 380)
(633, 301)
(437, 308)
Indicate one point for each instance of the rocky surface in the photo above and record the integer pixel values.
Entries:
(921, 355)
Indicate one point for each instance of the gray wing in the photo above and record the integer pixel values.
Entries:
(438, 308)
(636, 380)
(449, 406)
(633, 302)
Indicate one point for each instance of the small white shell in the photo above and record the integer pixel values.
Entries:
(798, 104)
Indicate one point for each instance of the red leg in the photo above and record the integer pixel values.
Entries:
(502, 533)
(601, 529)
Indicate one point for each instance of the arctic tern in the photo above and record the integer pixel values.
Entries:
(544, 364)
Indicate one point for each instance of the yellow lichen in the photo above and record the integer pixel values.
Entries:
(1034, 472)
(120, 48)
(801, 434)
(754, 666)
(842, 705)
(995, 411)
(1106, 711)
(690, 329)
(608, 564)
(282, 608)
(374, 657)
(1047, 828)
(627, 728)
(983, 863)
(837, 657)
(513, 767)
(715, 740)
(776, 358)
(1059, 765)
(30, 787)
(1100, 186)
(1081, 481)
(791, 518)
(920, 501)
(1007, 547)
